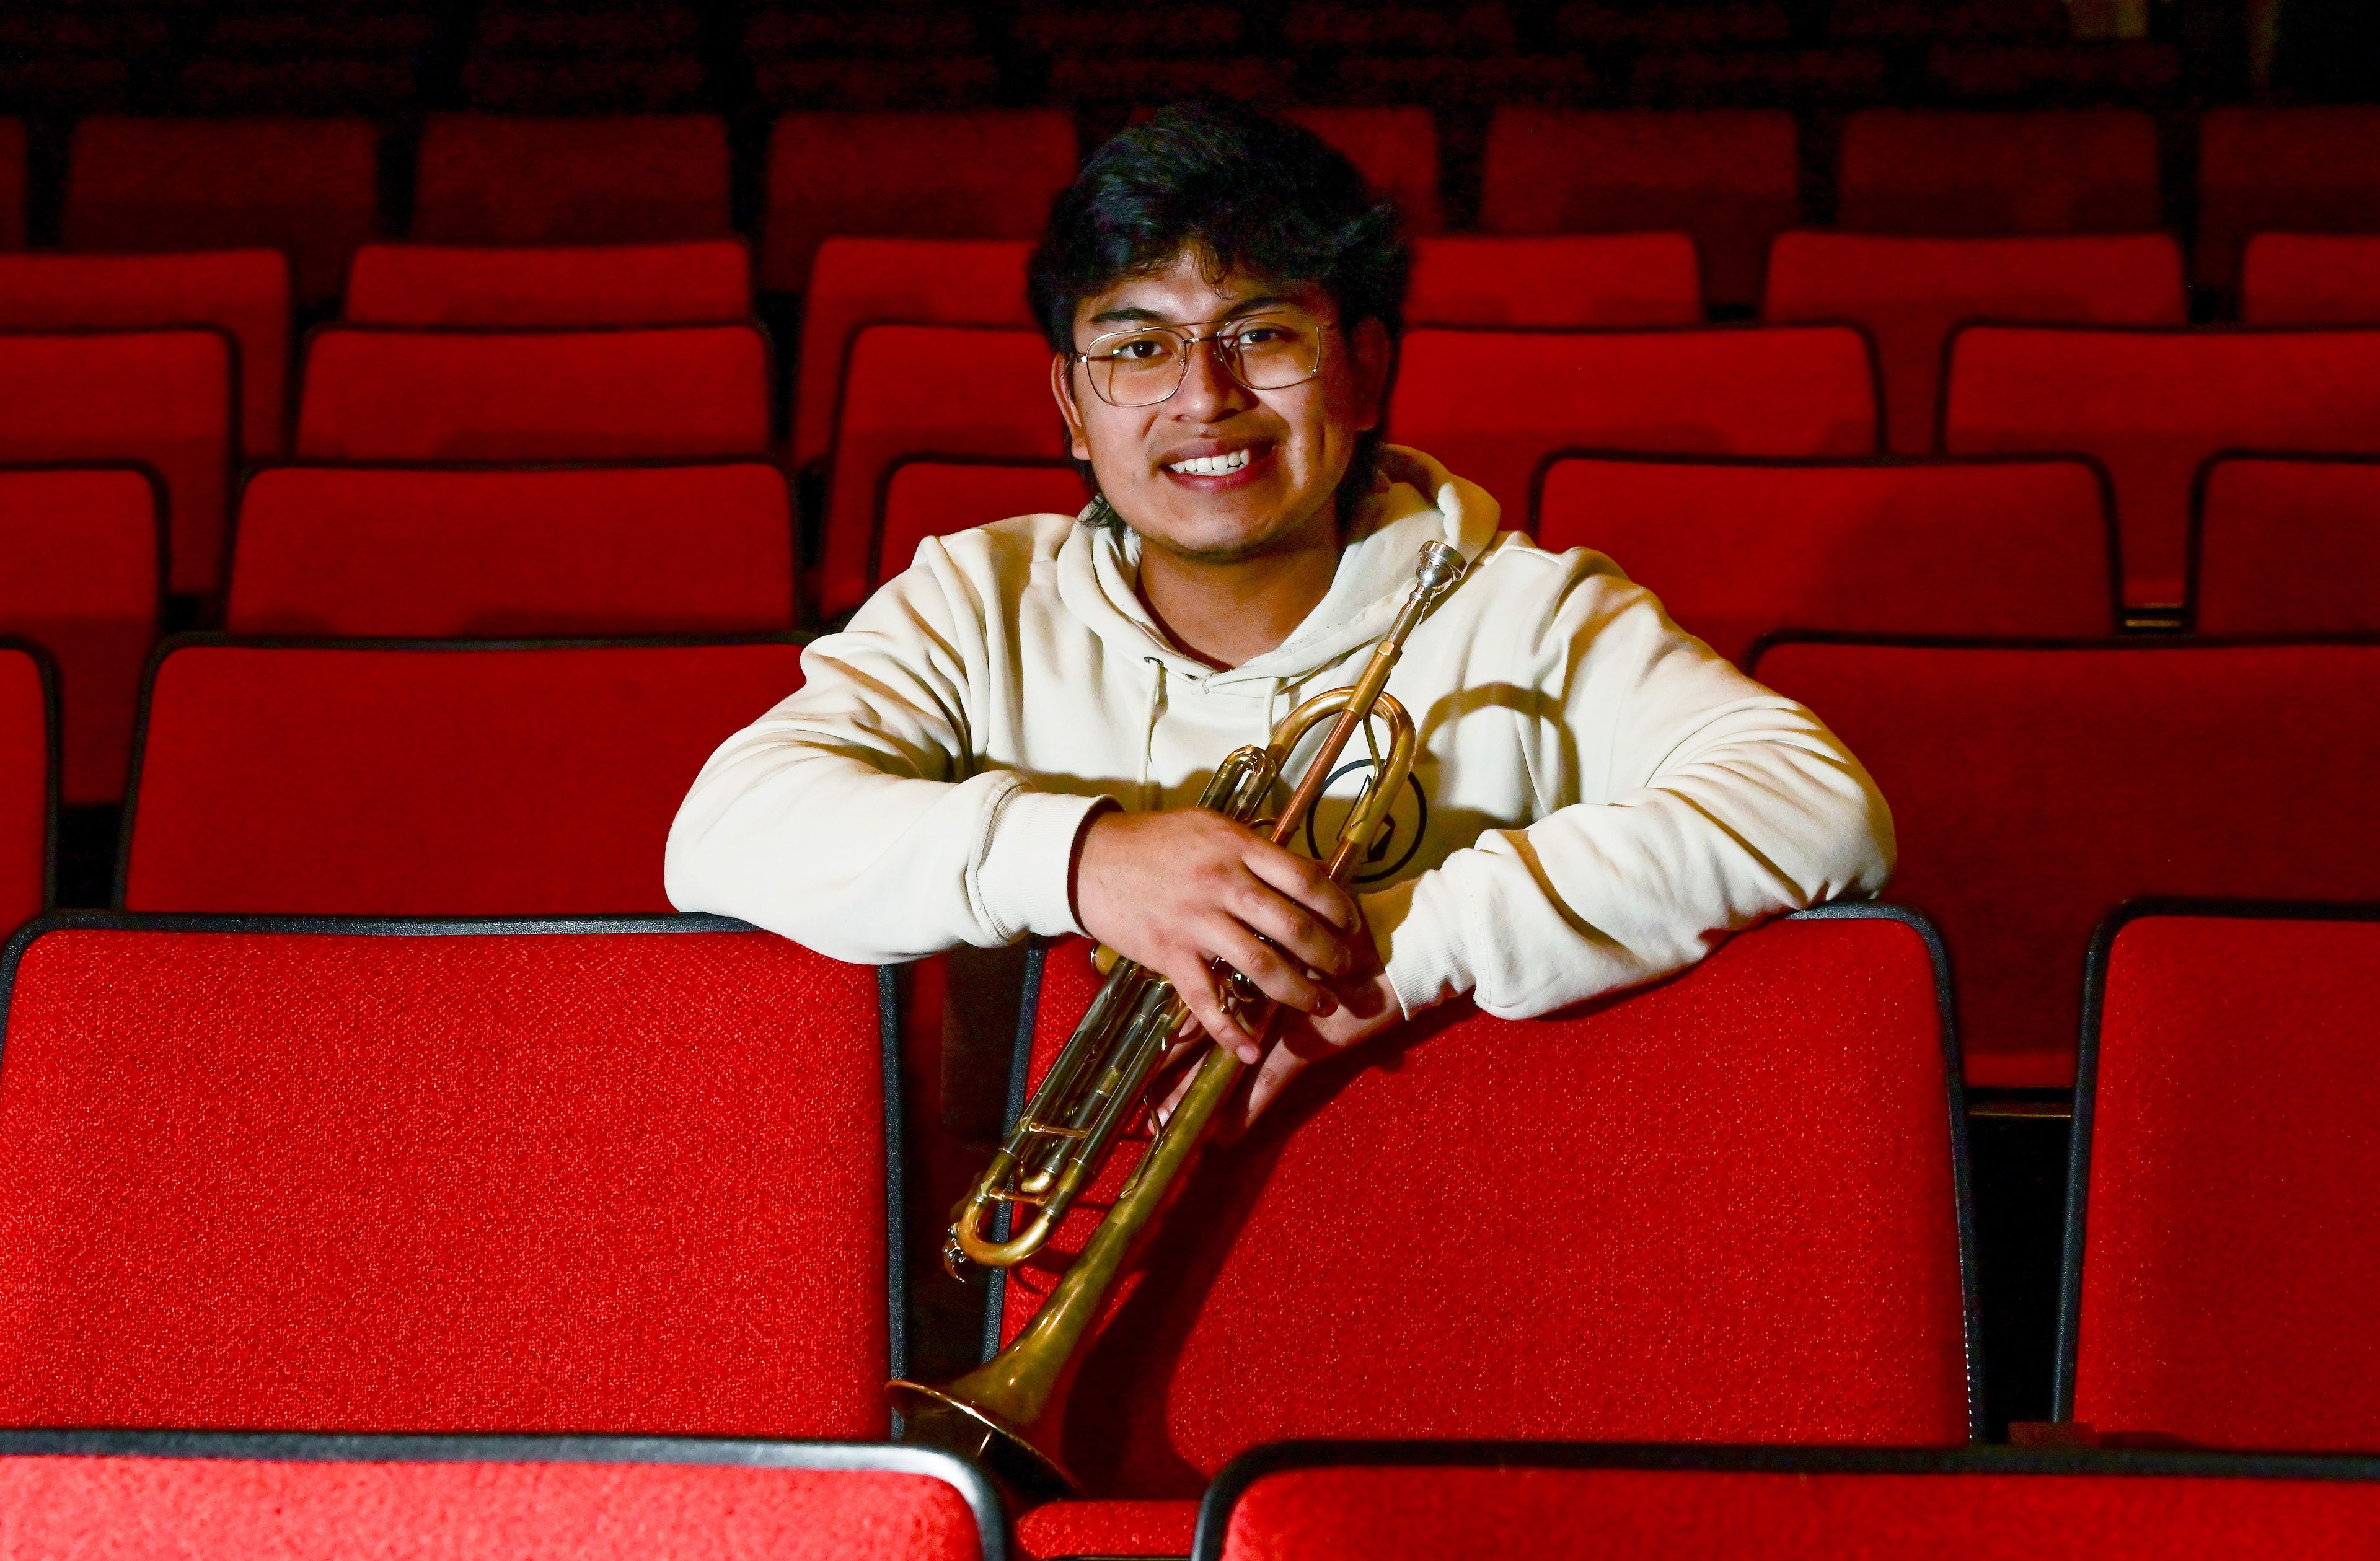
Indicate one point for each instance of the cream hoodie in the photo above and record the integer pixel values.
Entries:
(1599, 797)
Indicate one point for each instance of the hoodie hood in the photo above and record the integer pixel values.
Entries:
(1416, 500)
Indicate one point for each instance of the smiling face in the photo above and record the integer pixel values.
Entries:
(1217, 472)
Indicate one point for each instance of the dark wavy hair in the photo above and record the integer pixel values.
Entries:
(1259, 195)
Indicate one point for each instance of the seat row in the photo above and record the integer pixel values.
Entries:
(1733, 179)
(467, 1177)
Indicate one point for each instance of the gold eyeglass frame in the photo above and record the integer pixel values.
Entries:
(1227, 356)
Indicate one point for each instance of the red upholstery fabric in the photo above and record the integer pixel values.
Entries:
(1493, 405)
(704, 283)
(1730, 78)
(1588, 23)
(162, 398)
(1106, 1527)
(526, 1182)
(664, 84)
(308, 186)
(1588, 1226)
(2282, 169)
(221, 1509)
(1395, 149)
(895, 175)
(2152, 406)
(995, 402)
(429, 782)
(1457, 1514)
(935, 498)
(509, 554)
(243, 292)
(2122, 71)
(1731, 178)
(2288, 548)
(1736, 551)
(1908, 295)
(629, 179)
(79, 577)
(698, 392)
(24, 789)
(1924, 20)
(857, 283)
(2311, 279)
(1604, 279)
(2033, 790)
(2091, 170)
(12, 184)
(2227, 1253)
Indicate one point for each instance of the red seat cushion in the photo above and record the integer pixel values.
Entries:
(704, 283)
(1106, 1527)
(2091, 170)
(2311, 279)
(2272, 168)
(1577, 280)
(623, 179)
(2287, 547)
(24, 790)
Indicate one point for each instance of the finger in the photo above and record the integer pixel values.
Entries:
(1276, 975)
(1280, 1065)
(1303, 881)
(1199, 995)
(1302, 936)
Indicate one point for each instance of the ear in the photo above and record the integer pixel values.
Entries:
(1370, 352)
(1062, 386)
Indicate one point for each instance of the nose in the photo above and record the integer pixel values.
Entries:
(1209, 389)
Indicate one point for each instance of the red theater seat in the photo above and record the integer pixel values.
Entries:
(2311, 279)
(706, 283)
(308, 186)
(1740, 549)
(228, 1497)
(414, 554)
(2152, 406)
(160, 398)
(2282, 169)
(859, 282)
(2116, 71)
(1731, 178)
(431, 778)
(1395, 149)
(2225, 1115)
(2287, 546)
(1360, 1253)
(926, 499)
(12, 184)
(1696, 1504)
(242, 292)
(1695, 23)
(988, 396)
(905, 175)
(2034, 788)
(1601, 279)
(1493, 405)
(1909, 294)
(28, 764)
(80, 551)
(1694, 78)
(1922, 21)
(1988, 173)
(638, 178)
(693, 392)
(460, 1176)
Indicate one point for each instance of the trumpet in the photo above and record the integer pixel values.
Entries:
(1006, 1413)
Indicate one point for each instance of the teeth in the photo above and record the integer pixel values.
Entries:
(1211, 466)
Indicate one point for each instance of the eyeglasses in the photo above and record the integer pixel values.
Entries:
(1147, 365)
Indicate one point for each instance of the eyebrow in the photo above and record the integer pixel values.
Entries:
(1136, 316)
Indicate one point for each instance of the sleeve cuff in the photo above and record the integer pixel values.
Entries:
(1026, 881)
(1415, 943)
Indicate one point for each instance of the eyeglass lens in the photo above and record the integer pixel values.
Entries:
(1142, 368)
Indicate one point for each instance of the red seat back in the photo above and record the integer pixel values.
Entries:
(1738, 550)
(686, 393)
(513, 554)
(1731, 178)
(1493, 404)
(1909, 294)
(2086, 170)
(857, 283)
(28, 772)
(635, 179)
(308, 187)
(2034, 788)
(163, 399)
(2282, 169)
(985, 392)
(1364, 1252)
(926, 499)
(1394, 148)
(896, 175)
(428, 779)
(2287, 547)
(2311, 279)
(462, 1177)
(2227, 1113)
(704, 283)
(79, 558)
(1602, 279)
(243, 293)
(2152, 406)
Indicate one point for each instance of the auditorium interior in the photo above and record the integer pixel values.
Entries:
(429, 428)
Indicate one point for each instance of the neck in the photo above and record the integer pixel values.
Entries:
(1225, 611)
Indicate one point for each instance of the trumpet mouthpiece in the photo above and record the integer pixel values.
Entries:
(1440, 567)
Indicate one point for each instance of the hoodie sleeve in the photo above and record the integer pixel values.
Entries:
(1682, 800)
(851, 817)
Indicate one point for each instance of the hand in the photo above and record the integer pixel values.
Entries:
(1366, 1004)
(1176, 891)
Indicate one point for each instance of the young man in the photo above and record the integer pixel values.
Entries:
(1008, 738)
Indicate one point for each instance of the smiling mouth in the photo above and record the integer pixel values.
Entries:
(1212, 466)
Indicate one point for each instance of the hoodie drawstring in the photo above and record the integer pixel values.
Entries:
(1148, 798)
